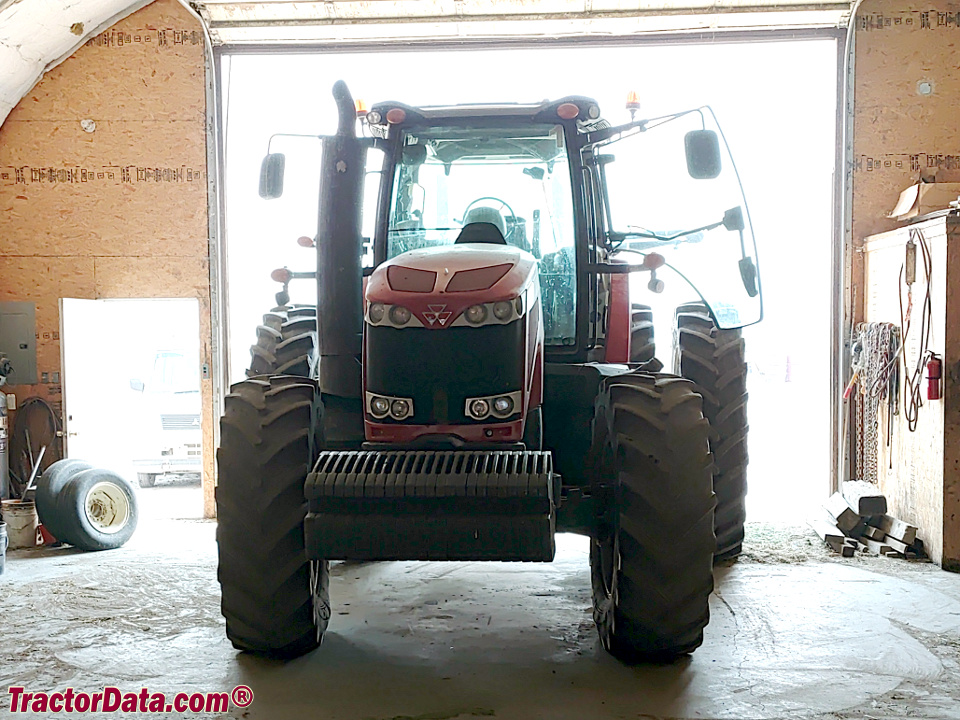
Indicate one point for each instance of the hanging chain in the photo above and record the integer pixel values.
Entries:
(876, 359)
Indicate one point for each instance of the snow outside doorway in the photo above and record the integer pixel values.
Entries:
(131, 382)
(776, 102)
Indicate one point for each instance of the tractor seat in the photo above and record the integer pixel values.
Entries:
(481, 232)
(483, 225)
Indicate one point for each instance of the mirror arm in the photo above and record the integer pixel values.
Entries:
(615, 268)
(606, 133)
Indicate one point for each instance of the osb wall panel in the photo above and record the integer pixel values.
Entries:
(103, 189)
(899, 133)
(951, 395)
(911, 469)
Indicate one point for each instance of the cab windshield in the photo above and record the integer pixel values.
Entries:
(517, 179)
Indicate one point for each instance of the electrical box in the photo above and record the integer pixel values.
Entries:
(18, 341)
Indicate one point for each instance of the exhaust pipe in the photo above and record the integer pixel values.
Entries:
(339, 253)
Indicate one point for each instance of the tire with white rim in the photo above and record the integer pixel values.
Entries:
(97, 510)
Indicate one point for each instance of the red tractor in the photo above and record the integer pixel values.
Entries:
(474, 377)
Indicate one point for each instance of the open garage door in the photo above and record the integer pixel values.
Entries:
(339, 22)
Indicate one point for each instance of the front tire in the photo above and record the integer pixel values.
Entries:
(714, 359)
(652, 568)
(276, 602)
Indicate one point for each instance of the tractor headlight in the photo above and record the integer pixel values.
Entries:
(503, 405)
(479, 409)
(379, 407)
(399, 409)
(476, 314)
(376, 312)
(384, 406)
(502, 310)
(499, 406)
(399, 315)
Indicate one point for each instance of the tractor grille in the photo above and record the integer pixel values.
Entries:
(180, 422)
(440, 369)
(431, 473)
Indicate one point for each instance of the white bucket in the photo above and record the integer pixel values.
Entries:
(22, 523)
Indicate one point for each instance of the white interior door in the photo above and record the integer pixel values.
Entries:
(111, 350)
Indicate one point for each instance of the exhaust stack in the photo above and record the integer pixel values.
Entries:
(339, 251)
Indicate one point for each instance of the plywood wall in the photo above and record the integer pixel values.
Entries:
(900, 133)
(103, 184)
(906, 85)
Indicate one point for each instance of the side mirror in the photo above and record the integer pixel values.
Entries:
(703, 154)
(271, 176)
(733, 219)
(137, 385)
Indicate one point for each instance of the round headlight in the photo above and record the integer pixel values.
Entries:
(376, 312)
(502, 310)
(400, 409)
(479, 408)
(373, 117)
(476, 314)
(503, 405)
(399, 315)
(518, 303)
(379, 406)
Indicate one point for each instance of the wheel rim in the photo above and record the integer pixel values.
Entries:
(107, 507)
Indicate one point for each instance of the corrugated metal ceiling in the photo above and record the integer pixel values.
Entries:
(345, 21)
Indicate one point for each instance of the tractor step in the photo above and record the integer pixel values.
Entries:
(431, 505)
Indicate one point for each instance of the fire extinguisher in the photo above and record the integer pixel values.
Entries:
(934, 373)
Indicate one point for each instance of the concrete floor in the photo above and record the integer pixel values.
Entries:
(795, 632)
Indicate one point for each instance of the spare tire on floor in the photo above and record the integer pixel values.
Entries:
(49, 487)
(97, 510)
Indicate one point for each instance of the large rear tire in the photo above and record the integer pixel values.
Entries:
(652, 567)
(276, 601)
(714, 360)
(286, 343)
(643, 347)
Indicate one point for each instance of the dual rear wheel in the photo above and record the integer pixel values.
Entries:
(715, 361)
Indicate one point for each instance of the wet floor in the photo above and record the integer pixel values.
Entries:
(794, 633)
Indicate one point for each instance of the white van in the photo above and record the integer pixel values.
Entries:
(171, 411)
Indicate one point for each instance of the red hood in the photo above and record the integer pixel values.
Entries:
(519, 272)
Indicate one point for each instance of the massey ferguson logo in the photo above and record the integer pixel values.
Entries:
(437, 313)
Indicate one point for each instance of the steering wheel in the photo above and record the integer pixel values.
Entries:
(504, 205)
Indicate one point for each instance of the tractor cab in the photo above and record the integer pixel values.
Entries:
(560, 183)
